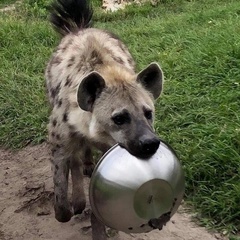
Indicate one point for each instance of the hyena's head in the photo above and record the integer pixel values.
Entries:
(122, 106)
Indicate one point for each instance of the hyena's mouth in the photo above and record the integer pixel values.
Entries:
(144, 149)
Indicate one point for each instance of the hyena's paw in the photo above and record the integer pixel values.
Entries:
(88, 169)
(78, 205)
(62, 213)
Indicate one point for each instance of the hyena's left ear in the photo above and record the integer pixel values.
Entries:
(152, 79)
(89, 90)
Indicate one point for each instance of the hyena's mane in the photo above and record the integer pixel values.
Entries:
(70, 15)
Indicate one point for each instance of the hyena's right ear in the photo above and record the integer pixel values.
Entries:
(89, 90)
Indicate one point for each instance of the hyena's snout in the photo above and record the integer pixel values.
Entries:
(145, 146)
(148, 145)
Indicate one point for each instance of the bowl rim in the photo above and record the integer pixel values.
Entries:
(118, 145)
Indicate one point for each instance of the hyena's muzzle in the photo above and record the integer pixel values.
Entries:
(145, 142)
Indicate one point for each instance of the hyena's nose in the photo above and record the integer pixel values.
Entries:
(149, 145)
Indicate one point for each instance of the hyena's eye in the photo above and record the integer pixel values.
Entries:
(121, 118)
(148, 114)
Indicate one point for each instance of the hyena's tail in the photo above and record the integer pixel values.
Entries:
(70, 15)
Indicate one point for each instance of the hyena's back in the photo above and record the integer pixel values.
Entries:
(82, 52)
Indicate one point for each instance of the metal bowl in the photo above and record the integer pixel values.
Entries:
(136, 195)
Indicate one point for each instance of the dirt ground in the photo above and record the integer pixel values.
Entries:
(26, 211)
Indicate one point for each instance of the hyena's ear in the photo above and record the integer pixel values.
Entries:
(152, 79)
(89, 90)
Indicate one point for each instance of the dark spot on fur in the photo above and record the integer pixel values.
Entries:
(123, 48)
(71, 61)
(58, 146)
(118, 60)
(56, 167)
(54, 122)
(65, 117)
(73, 134)
(72, 128)
(130, 228)
(53, 134)
(142, 225)
(64, 48)
(55, 91)
(95, 58)
(94, 54)
(130, 61)
(58, 137)
(53, 151)
(59, 104)
(56, 198)
(56, 60)
(99, 61)
(68, 81)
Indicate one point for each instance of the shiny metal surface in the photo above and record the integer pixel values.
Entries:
(135, 195)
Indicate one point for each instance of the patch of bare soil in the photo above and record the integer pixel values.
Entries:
(26, 205)
(8, 8)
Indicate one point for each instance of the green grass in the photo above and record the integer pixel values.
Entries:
(4, 3)
(197, 44)
(234, 238)
(25, 47)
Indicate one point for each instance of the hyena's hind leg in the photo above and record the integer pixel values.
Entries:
(60, 169)
(81, 164)
(62, 163)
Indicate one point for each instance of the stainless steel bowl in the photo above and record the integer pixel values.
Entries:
(136, 195)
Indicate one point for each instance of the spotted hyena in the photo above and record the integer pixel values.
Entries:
(97, 100)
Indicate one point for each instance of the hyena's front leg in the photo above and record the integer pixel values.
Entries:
(98, 229)
(78, 196)
(60, 168)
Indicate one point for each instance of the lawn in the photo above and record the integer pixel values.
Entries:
(4, 3)
(197, 43)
